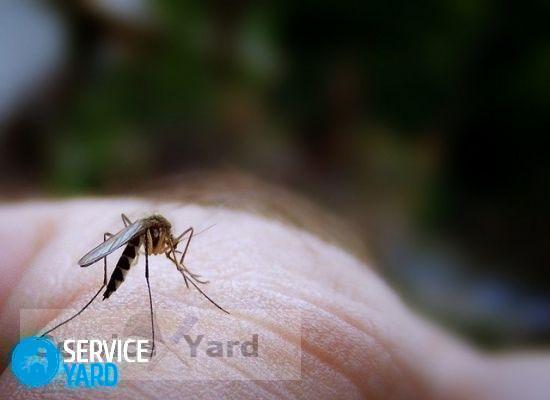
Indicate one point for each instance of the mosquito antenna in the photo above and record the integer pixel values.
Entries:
(204, 230)
(197, 234)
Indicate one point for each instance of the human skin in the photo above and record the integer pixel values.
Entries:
(358, 339)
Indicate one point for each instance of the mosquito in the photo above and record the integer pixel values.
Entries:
(154, 233)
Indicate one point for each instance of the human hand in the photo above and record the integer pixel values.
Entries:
(358, 340)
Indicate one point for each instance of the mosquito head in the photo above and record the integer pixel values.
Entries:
(160, 231)
(160, 222)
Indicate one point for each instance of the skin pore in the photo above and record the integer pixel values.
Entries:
(357, 339)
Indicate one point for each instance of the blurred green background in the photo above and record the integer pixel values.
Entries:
(425, 123)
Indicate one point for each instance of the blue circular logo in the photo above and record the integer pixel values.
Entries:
(35, 361)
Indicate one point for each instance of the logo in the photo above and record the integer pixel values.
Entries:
(185, 343)
(35, 361)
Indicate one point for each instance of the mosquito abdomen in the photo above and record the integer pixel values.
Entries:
(126, 260)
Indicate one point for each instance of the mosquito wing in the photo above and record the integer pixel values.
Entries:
(113, 243)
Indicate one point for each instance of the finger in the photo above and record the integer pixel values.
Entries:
(24, 229)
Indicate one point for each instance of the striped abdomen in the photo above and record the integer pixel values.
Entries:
(126, 260)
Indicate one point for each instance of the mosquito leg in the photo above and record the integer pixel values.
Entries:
(191, 230)
(193, 275)
(169, 255)
(183, 270)
(150, 298)
(175, 261)
(174, 251)
(148, 240)
(125, 219)
(105, 236)
(204, 294)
